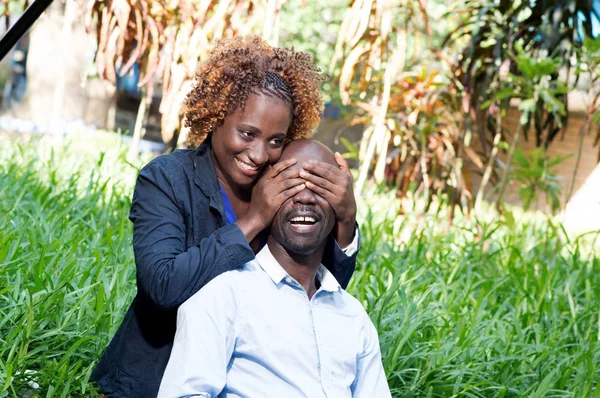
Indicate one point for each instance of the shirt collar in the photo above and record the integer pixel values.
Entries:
(276, 272)
(328, 281)
(268, 263)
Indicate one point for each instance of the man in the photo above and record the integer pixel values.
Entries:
(281, 326)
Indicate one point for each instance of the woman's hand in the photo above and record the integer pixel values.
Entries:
(334, 184)
(277, 185)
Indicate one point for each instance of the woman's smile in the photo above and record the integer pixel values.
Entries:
(247, 168)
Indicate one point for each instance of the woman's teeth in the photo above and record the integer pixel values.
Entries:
(246, 166)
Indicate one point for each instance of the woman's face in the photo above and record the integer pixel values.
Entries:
(249, 141)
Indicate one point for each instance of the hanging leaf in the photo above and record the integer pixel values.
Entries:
(168, 39)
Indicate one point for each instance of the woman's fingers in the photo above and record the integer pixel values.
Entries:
(286, 175)
(322, 192)
(290, 183)
(279, 189)
(334, 184)
(316, 181)
(326, 176)
(288, 193)
(278, 167)
(342, 163)
(324, 170)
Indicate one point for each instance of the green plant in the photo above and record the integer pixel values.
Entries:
(489, 34)
(8, 8)
(302, 21)
(372, 50)
(66, 266)
(491, 308)
(427, 143)
(413, 137)
(534, 87)
(534, 172)
(487, 309)
(588, 66)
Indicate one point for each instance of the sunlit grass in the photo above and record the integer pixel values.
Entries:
(485, 309)
(66, 267)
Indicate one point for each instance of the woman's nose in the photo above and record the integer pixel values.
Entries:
(258, 154)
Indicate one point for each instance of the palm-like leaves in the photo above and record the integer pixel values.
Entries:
(414, 129)
(549, 28)
(168, 38)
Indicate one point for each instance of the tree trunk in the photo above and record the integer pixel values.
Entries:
(396, 63)
(139, 123)
(511, 153)
(584, 128)
(490, 166)
(59, 91)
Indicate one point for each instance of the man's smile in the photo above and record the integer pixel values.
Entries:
(304, 222)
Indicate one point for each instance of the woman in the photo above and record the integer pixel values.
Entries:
(199, 213)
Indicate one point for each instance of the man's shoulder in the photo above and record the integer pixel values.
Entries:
(222, 287)
(353, 304)
(249, 271)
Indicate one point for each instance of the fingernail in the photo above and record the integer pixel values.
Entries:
(303, 173)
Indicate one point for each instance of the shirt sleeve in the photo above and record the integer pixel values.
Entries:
(370, 378)
(353, 246)
(207, 327)
(167, 272)
(342, 262)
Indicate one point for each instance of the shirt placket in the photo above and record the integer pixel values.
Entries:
(296, 286)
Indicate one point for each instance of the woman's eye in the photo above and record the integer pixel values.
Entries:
(277, 142)
(247, 135)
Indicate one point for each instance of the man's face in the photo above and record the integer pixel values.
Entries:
(304, 221)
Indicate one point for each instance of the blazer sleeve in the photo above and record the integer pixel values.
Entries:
(167, 273)
(340, 264)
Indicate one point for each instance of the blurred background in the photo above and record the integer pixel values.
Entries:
(431, 97)
(473, 128)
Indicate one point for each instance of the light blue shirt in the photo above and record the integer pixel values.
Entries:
(253, 333)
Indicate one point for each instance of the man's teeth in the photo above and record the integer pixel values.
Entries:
(311, 220)
(246, 166)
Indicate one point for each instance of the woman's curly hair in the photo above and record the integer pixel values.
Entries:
(237, 68)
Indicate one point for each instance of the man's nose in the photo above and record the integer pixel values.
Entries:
(258, 154)
(305, 197)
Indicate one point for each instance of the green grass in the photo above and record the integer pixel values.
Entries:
(486, 309)
(66, 265)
